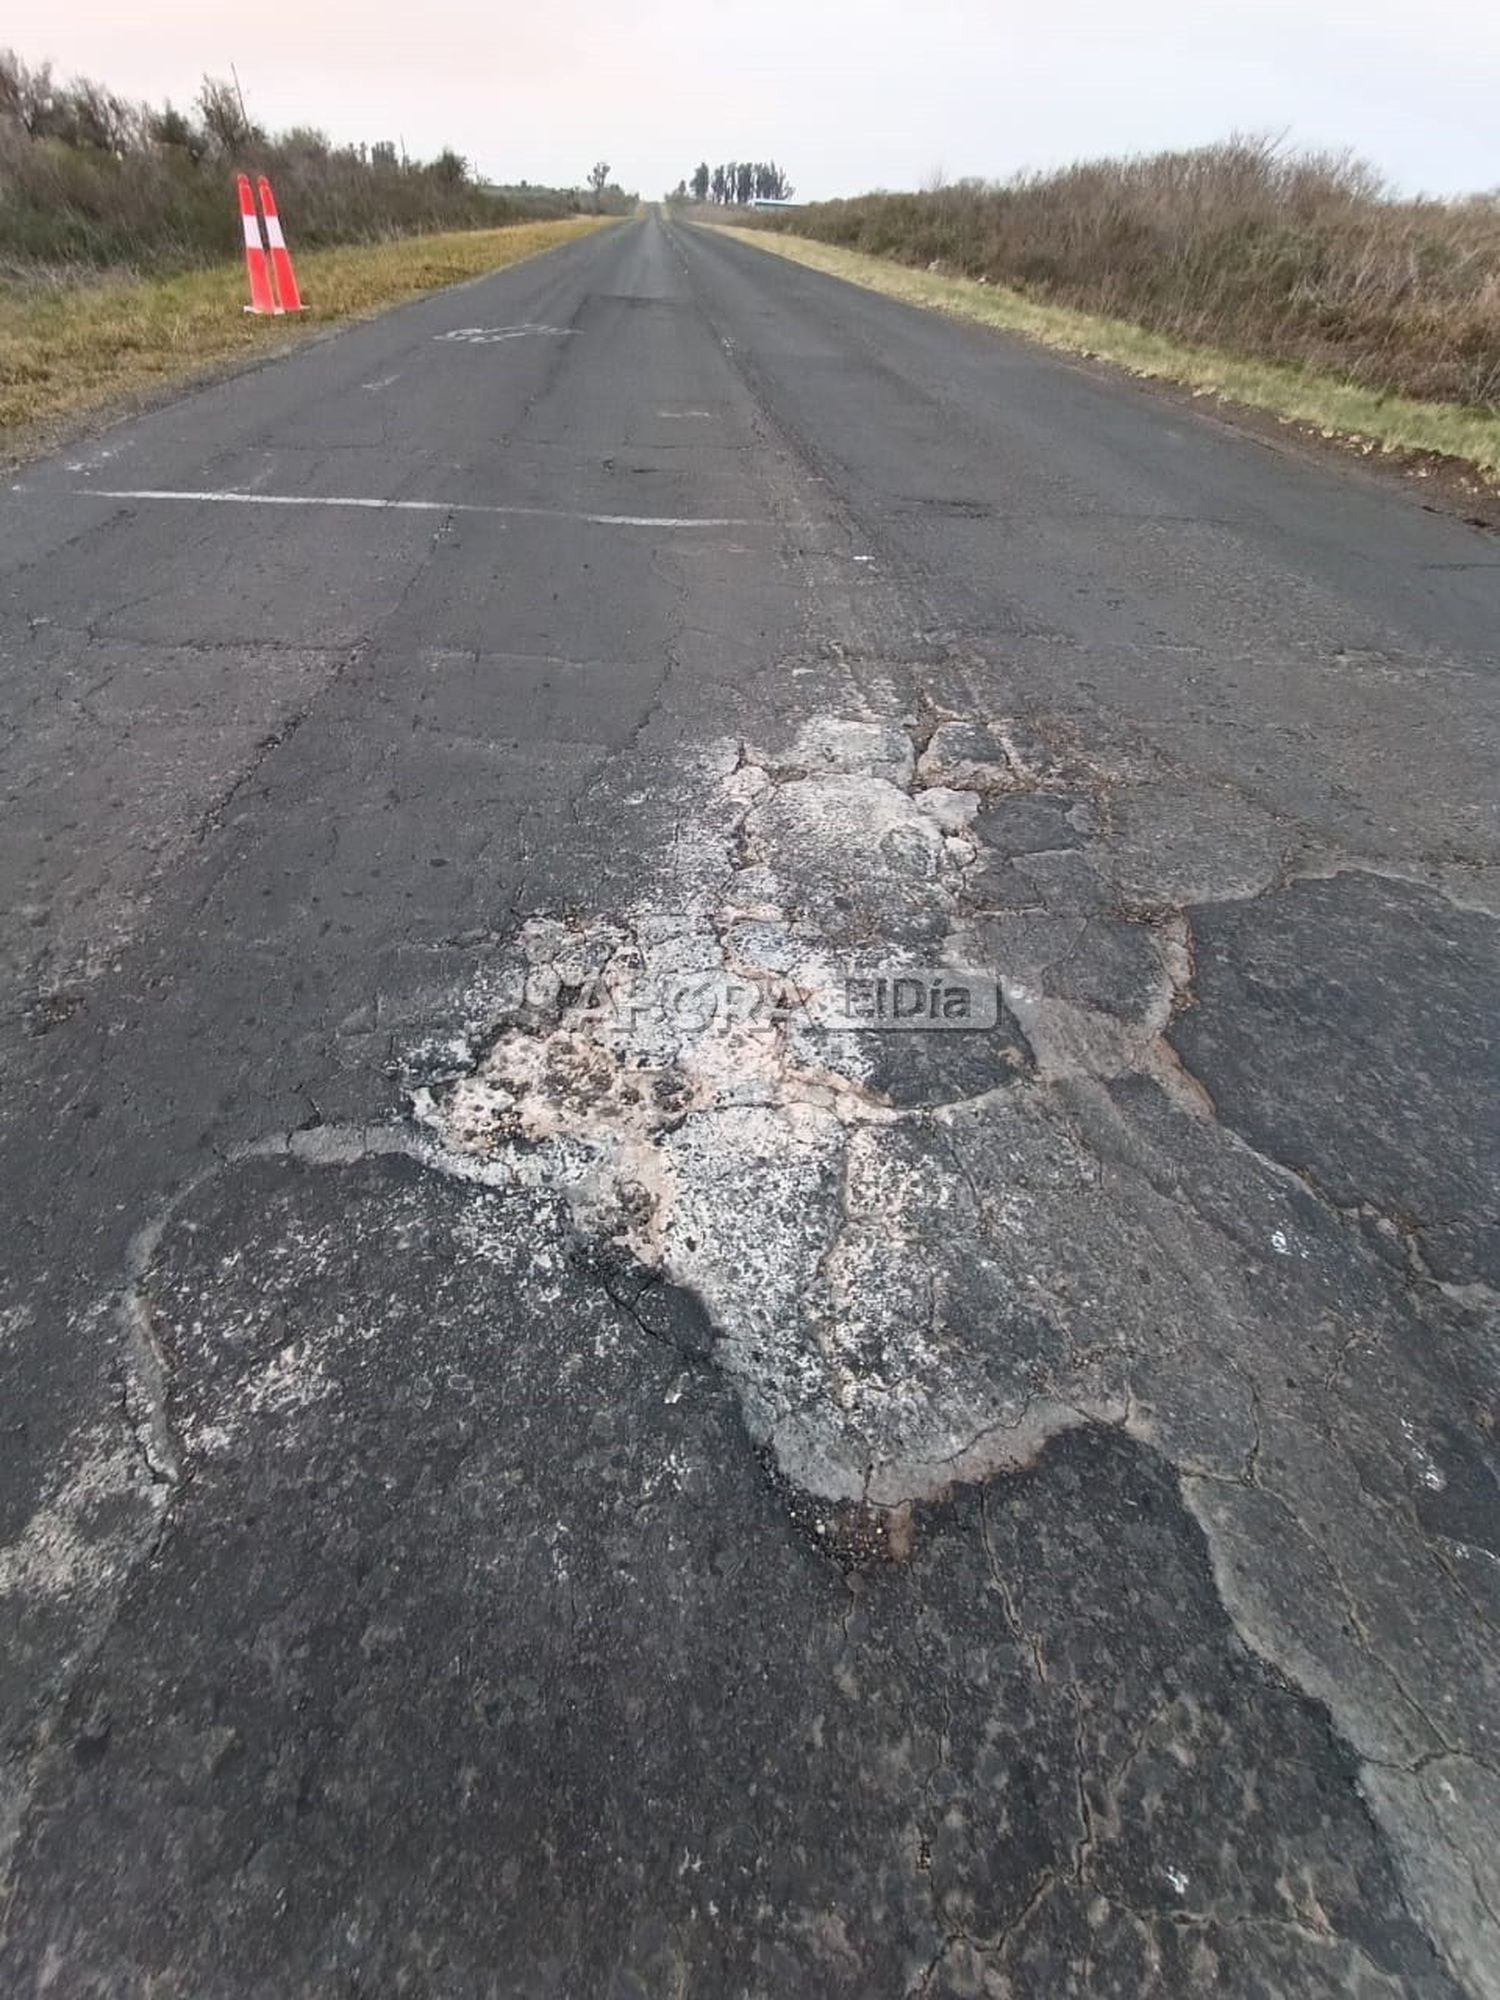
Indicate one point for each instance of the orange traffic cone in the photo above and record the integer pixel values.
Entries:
(288, 298)
(256, 268)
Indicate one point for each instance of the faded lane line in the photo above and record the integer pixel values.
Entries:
(212, 499)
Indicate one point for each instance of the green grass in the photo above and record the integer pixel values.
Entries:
(73, 348)
(1368, 420)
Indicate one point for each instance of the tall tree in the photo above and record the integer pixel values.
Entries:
(700, 181)
(224, 120)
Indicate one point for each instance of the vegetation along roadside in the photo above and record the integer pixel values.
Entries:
(1289, 284)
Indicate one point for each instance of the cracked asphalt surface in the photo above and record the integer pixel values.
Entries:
(506, 1492)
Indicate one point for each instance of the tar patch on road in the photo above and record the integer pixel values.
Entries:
(1343, 1026)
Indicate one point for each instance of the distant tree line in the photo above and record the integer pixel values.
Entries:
(737, 183)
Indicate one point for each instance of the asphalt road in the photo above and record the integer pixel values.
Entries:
(534, 1462)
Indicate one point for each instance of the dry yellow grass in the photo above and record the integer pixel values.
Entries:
(70, 349)
(1367, 419)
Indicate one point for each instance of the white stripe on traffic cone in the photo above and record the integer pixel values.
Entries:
(256, 268)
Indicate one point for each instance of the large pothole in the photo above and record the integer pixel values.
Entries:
(699, 1083)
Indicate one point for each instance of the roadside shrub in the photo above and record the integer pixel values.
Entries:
(88, 181)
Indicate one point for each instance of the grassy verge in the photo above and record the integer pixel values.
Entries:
(70, 349)
(1368, 419)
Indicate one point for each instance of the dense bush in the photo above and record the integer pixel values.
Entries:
(88, 179)
(1301, 258)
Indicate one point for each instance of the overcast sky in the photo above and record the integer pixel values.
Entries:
(846, 94)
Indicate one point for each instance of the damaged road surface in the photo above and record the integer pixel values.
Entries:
(538, 1460)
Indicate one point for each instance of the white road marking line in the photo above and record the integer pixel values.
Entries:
(382, 381)
(231, 499)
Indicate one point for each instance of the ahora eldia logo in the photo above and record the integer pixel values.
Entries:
(935, 999)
